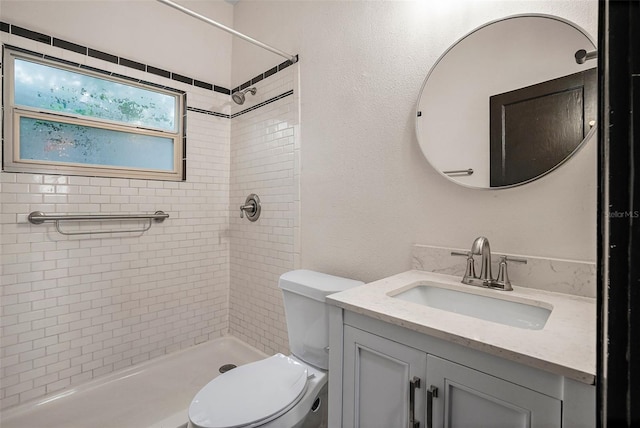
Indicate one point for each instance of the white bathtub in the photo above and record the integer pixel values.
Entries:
(153, 394)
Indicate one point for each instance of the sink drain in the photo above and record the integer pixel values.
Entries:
(226, 367)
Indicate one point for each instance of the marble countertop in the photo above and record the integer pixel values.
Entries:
(565, 346)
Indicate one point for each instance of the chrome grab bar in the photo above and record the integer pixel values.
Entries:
(38, 217)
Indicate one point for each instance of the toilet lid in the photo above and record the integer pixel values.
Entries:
(256, 392)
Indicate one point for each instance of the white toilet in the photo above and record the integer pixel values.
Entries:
(279, 391)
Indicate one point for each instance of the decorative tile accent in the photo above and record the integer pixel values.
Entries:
(181, 78)
(257, 79)
(158, 71)
(33, 35)
(271, 71)
(264, 75)
(69, 46)
(204, 85)
(285, 64)
(264, 103)
(103, 56)
(209, 112)
(221, 90)
(560, 276)
(132, 64)
(247, 110)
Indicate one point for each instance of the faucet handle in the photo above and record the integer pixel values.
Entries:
(513, 259)
(503, 275)
(470, 271)
(461, 253)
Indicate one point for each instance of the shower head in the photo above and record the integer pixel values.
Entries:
(238, 97)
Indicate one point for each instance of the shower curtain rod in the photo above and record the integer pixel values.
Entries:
(292, 58)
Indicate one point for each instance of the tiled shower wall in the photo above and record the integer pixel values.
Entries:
(264, 161)
(74, 308)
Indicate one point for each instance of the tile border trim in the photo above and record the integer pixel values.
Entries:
(264, 75)
(209, 112)
(247, 110)
(264, 103)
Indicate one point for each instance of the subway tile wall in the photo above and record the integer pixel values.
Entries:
(75, 308)
(265, 161)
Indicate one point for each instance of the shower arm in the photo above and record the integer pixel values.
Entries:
(292, 58)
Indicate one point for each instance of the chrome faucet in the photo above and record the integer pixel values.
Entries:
(481, 247)
(485, 279)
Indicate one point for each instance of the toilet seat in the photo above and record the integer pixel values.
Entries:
(250, 395)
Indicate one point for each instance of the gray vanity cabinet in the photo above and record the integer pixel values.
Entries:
(469, 398)
(377, 376)
(387, 384)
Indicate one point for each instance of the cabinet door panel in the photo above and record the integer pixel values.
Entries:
(469, 398)
(377, 372)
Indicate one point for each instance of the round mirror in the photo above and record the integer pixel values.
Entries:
(509, 102)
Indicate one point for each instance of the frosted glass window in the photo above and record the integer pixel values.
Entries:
(65, 119)
(45, 140)
(59, 90)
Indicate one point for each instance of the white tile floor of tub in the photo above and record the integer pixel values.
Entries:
(155, 394)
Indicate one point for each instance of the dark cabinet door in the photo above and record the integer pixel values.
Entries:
(536, 128)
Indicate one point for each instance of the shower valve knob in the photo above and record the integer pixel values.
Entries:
(251, 207)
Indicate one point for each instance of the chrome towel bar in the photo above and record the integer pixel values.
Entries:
(459, 172)
(38, 217)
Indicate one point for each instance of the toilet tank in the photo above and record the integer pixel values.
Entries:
(304, 293)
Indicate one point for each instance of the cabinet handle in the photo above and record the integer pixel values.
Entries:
(413, 384)
(432, 393)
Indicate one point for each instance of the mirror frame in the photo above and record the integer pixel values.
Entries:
(584, 141)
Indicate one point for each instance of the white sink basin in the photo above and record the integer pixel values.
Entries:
(515, 314)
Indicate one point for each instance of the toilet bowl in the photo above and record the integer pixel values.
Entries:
(279, 391)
